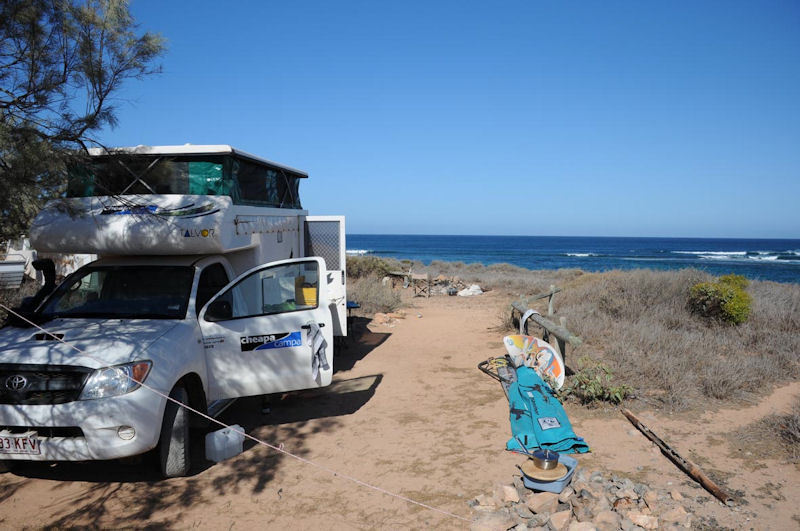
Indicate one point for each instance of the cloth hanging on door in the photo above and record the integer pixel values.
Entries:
(316, 340)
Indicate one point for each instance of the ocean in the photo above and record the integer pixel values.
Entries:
(757, 259)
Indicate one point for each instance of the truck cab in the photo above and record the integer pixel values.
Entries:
(212, 299)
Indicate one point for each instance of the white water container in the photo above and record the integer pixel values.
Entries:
(225, 443)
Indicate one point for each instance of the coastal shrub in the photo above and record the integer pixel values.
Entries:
(638, 324)
(373, 295)
(375, 266)
(724, 300)
(594, 383)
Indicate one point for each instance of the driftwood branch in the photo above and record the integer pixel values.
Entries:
(684, 464)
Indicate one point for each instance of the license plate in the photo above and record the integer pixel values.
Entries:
(23, 443)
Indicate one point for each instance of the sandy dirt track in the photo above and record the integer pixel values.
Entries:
(410, 413)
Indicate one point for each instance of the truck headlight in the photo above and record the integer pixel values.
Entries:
(114, 381)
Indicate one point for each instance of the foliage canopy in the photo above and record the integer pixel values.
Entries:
(61, 64)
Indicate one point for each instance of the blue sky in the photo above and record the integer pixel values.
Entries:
(519, 117)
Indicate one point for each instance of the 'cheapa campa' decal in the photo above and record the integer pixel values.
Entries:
(270, 341)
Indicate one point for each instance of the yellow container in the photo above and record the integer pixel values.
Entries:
(306, 296)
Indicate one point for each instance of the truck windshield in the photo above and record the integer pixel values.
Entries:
(123, 292)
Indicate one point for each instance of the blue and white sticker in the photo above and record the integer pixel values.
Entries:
(548, 423)
(271, 341)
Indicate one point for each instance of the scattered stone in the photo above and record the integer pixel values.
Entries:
(582, 513)
(542, 502)
(678, 516)
(596, 477)
(508, 494)
(627, 525)
(582, 526)
(623, 504)
(560, 520)
(523, 511)
(676, 495)
(607, 519)
(496, 521)
(628, 493)
(565, 494)
(643, 520)
(650, 498)
(484, 503)
(539, 520)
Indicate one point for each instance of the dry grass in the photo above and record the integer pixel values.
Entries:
(507, 278)
(372, 295)
(637, 322)
(774, 436)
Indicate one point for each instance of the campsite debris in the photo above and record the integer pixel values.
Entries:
(684, 464)
(470, 291)
(593, 501)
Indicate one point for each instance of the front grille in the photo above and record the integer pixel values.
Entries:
(45, 431)
(28, 384)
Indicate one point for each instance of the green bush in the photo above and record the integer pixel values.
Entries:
(724, 300)
(593, 383)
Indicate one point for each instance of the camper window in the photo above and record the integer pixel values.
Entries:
(278, 289)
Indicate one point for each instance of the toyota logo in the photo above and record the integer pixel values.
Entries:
(16, 382)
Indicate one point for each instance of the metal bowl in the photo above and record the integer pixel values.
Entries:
(545, 459)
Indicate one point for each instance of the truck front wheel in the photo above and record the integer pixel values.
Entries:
(173, 446)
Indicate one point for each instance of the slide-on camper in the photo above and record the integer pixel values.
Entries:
(212, 283)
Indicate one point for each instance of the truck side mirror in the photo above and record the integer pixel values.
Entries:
(219, 310)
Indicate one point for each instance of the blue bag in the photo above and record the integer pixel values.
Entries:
(538, 419)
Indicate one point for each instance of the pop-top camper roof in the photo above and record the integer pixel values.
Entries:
(190, 199)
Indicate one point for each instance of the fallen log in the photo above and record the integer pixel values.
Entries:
(684, 464)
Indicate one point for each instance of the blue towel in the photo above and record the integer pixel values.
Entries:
(538, 419)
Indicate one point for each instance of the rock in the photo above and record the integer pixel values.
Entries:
(583, 513)
(580, 475)
(506, 494)
(600, 506)
(496, 521)
(624, 504)
(520, 527)
(628, 493)
(542, 502)
(484, 503)
(676, 495)
(565, 494)
(560, 520)
(678, 516)
(627, 525)
(582, 526)
(399, 314)
(643, 520)
(607, 520)
(596, 477)
(523, 511)
(538, 520)
(589, 495)
(380, 318)
(650, 498)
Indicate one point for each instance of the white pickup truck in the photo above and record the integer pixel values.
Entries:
(202, 297)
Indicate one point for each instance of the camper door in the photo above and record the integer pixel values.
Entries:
(269, 331)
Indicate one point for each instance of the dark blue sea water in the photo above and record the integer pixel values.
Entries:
(777, 260)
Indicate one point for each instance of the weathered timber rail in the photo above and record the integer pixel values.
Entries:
(560, 331)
